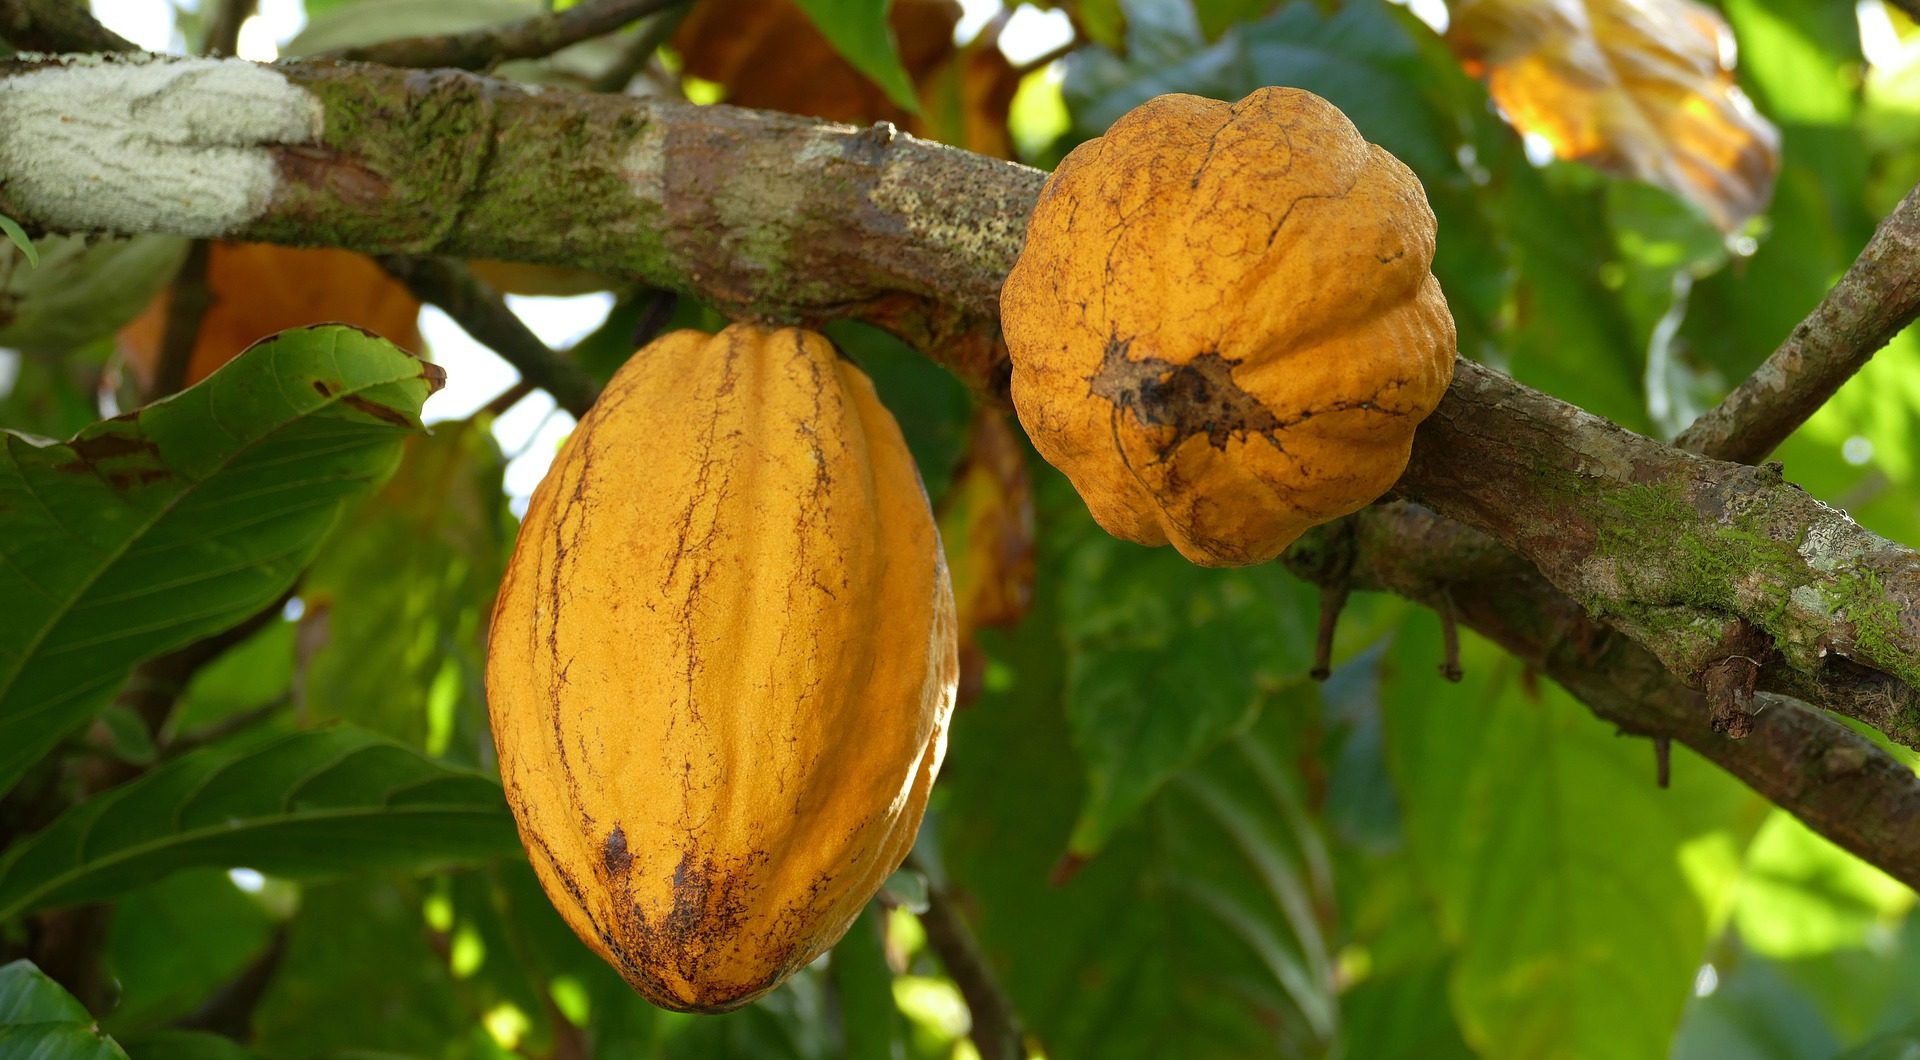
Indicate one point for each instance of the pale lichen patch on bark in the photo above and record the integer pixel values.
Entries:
(148, 144)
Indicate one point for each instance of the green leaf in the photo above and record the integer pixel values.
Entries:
(1165, 660)
(361, 973)
(186, 1045)
(311, 804)
(1579, 896)
(858, 30)
(397, 601)
(1194, 932)
(39, 1020)
(151, 530)
(1801, 895)
(173, 942)
(19, 238)
(864, 986)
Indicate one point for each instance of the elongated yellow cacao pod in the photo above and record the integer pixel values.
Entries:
(722, 663)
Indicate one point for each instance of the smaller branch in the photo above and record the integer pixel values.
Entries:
(57, 26)
(533, 38)
(223, 33)
(639, 51)
(996, 1029)
(1449, 636)
(485, 316)
(1877, 298)
(230, 1010)
(508, 398)
(1911, 7)
(188, 300)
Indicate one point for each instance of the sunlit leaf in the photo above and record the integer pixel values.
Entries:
(1578, 895)
(315, 803)
(148, 531)
(1643, 88)
(1801, 895)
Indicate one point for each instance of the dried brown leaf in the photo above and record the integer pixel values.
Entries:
(1640, 88)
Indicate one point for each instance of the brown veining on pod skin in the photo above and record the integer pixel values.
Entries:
(1224, 328)
(722, 663)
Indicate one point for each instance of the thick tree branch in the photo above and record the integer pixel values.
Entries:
(533, 38)
(1877, 298)
(783, 219)
(1838, 782)
(56, 26)
(1681, 553)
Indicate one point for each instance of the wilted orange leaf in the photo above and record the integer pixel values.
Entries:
(986, 525)
(1641, 88)
(258, 289)
(768, 54)
(964, 101)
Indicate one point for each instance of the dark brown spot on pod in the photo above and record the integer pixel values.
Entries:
(615, 853)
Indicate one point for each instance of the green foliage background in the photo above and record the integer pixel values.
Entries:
(1169, 842)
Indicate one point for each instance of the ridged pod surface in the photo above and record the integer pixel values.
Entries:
(722, 663)
(1224, 328)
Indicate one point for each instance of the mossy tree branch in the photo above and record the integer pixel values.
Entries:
(789, 220)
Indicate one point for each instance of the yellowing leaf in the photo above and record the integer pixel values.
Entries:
(1640, 88)
(986, 524)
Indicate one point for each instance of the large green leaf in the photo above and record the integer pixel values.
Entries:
(397, 601)
(858, 30)
(311, 804)
(172, 943)
(39, 1020)
(362, 973)
(1579, 896)
(148, 531)
(1165, 660)
(1193, 932)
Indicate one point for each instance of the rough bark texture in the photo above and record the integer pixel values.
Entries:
(786, 220)
(1681, 553)
(1837, 781)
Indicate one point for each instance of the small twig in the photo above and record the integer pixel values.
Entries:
(1663, 761)
(1333, 600)
(225, 727)
(1047, 58)
(1911, 7)
(638, 51)
(996, 1025)
(658, 314)
(223, 33)
(484, 315)
(1877, 298)
(188, 300)
(508, 398)
(57, 26)
(230, 1010)
(532, 38)
(1449, 636)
